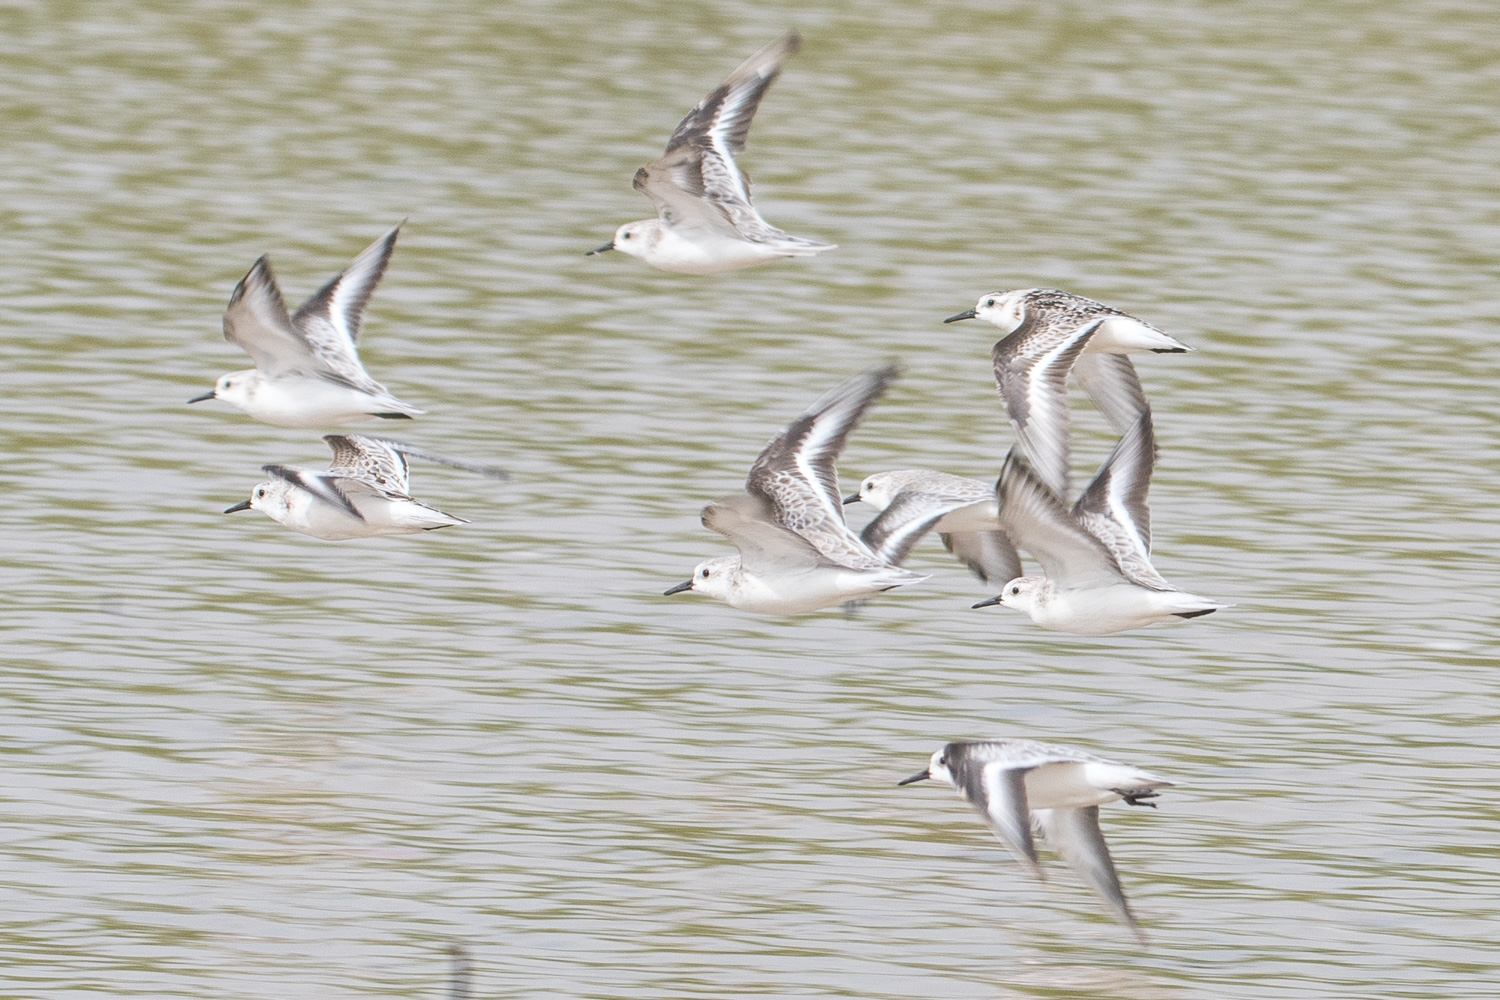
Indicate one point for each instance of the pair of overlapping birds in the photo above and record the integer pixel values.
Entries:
(797, 553)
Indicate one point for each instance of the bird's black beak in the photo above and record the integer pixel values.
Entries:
(210, 394)
(851, 498)
(919, 776)
(685, 585)
(966, 314)
(608, 246)
(242, 505)
(988, 603)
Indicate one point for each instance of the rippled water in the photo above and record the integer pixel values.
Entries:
(240, 762)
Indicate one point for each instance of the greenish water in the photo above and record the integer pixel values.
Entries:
(244, 763)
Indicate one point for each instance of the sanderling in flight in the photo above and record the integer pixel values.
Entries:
(796, 552)
(705, 223)
(1048, 335)
(307, 371)
(363, 493)
(1014, 783)
(1096, 556)
(964, 513)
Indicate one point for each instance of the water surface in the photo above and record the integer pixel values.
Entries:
(245, 763)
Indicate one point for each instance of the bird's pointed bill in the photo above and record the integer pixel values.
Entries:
(685, 585)
(210, 394)
(242, 505)
(919, 776)
(987, 603)
(608, 246)
(966, 314)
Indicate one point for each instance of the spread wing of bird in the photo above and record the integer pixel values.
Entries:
(765, 547)
(330, 321)
(325, 486)
(1075, 835)
(797, 476)
(697, 182)
(1040, 523)
(1031, 368)
(256, 322)
(1114, 507)
(372, 460)
(991, 555)
(1113, 385)
(998, 790)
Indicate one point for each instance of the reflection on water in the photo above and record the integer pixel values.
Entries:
(246, 763)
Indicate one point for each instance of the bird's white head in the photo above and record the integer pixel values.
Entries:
(236, 388)
(880, 489)
(1022, 594)
(937, 767)
(1005, 310)
(714, 577)
(637, 238)
(272, 498)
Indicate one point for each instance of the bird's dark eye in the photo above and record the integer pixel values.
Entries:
(1015, 590)
(989, 303)
(704, 574)
(261, 492)
(624, 236)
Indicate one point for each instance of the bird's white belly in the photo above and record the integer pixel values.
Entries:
(706, 254)
(812, 590)
(320, 519)
(314, 516)
(308, 402)
(1104, 610)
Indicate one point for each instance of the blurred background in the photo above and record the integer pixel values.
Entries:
(242, 762)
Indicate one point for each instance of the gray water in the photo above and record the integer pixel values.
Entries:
(240, 762)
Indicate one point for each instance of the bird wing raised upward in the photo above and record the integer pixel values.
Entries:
(370, 459)
(256, 322)
(722, 119)
(765, 547)
(1114, 507)
(1039, 523)
(331, 319)
(697, 182)
(797, 474)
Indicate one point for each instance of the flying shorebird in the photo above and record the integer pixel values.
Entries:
(1050, 334)
(307, 371)
(705, 223)
(964, 513)
(796, 553)
(365, 492)
(1015, 783)
(1096, 556)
